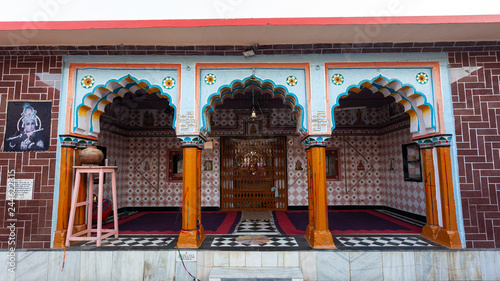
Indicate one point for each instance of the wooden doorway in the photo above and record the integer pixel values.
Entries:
(253, 174)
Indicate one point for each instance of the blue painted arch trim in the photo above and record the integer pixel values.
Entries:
(208, 108)
(359, 86)
(115, 91)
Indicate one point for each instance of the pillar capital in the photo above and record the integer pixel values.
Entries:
(315, 140)
(434, 141)
(76, 141)
(192, 140)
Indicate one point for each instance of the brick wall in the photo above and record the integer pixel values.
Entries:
(30, 78)
(476, 105)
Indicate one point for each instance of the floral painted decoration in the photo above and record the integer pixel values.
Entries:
(168, 82)
(422, 78)
(87, 82)
(210, 79)
(291, 80)
(337, 79)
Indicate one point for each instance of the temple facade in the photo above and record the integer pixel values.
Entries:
(267, 114)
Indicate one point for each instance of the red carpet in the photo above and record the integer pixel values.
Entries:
(344, 222)
(161, 223)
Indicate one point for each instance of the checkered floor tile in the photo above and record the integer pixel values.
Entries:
(256, 226)
(254, 241)
(127, 241)
(383, 241)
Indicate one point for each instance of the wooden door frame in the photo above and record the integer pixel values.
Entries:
(282, 204)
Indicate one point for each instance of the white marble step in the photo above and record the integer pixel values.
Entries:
(287, 273)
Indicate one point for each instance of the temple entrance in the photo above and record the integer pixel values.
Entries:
(253, 174)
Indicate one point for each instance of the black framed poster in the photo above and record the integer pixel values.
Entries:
(28, 126)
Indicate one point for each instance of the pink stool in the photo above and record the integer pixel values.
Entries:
(91, 170)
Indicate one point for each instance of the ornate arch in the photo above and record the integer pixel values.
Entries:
(87, 113)
(241, 86)
(415, 104)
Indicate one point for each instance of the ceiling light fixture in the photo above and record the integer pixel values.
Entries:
(249, 53)
(253, 116)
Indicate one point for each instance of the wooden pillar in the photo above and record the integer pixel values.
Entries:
(320, 236)
(80, 224)
(431, 229)
(65, 186)
(191, 234)
(198, 216)
(310, 192)
(448, 235)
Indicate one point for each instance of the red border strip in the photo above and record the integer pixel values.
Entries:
(224, 228)
(289, 229)
(134, 24)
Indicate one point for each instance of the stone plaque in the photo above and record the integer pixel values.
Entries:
(24, 189)
(186, 256)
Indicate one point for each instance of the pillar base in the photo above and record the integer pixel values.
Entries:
(60, 239)
(79, 227)
(321, 239)
(309, 232)
(449, 238)
(430, 231)
(190, 239)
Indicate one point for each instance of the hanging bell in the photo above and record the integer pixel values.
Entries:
(253, 115)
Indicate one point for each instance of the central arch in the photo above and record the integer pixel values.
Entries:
(264, 86)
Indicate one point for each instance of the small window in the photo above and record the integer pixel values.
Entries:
(332, 164)
(175, 165)
(412, 166)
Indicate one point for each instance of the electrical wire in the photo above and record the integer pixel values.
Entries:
(194, 277)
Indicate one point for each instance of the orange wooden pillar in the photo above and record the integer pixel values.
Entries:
(80, 223)
(431, 229)
(448, 235)
(65, 186)
(320, 236)
(198, 215)
(310, 192)
(192, 233)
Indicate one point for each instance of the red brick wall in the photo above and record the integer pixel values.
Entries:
(476, 105)
(30, 78)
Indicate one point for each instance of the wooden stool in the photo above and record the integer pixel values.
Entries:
(91, 170)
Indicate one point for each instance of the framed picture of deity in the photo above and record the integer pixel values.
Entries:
(27, 126)
(253, 128)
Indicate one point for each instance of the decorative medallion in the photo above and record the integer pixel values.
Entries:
(210, 79)
(87, 81)
(168, 82)
(291, 80)
(337, 79)
(422, 78)
(253, 240)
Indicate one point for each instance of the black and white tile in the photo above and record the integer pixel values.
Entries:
(248, 226)
(274, 241)
(384, 241)
(129, 241)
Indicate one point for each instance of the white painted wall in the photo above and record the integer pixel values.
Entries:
(65, 10)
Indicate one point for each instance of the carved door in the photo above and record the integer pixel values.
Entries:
(253, 174)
